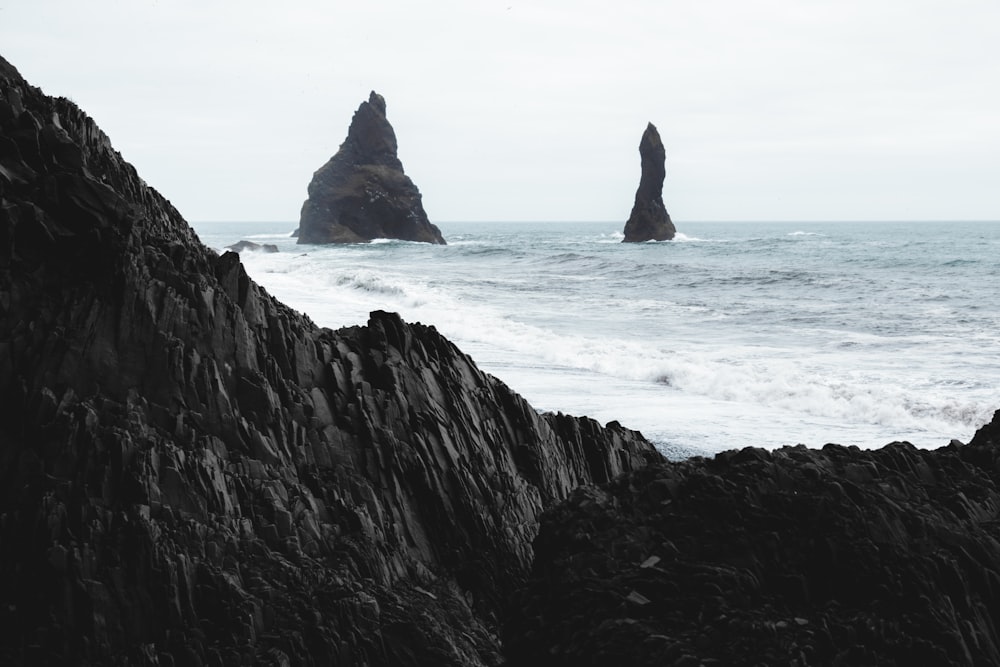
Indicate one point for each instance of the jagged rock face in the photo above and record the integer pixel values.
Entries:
(361, 193)
(797, 556)
(649, 220)
(191, 472)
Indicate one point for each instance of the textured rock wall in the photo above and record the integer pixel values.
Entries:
(191, 472)
(837, 556)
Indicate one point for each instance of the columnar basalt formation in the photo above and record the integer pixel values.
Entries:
(193, 473)
(361, 193)
(649, 220)
(837, 556)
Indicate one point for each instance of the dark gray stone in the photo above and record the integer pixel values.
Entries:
(193, 473)
(649, 220)
(361, 193)
(782, 557)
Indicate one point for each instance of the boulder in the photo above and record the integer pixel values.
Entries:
(649, 220)
(361, 193)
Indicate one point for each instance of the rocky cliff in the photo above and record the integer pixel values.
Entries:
(837, 556)
(361, 193)
(193, 473)
(649, 220)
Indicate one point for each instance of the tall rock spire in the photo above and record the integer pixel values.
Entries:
(649, 220)
(361, 193)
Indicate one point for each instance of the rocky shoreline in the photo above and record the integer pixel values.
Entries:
(838, 556)
(193, 473)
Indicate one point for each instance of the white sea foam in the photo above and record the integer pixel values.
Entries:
(269, 236)
(743, 377)
(612, 237)
(705, 346)
(681, 237)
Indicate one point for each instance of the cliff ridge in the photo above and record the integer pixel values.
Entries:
(194, 473)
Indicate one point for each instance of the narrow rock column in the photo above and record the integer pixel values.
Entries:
(649, 220)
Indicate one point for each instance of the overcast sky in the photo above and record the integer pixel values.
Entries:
(508, 110)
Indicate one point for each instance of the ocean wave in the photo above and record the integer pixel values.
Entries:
(767, 329)
(563, 258)
(681, 237)
(367, 281)
(736, 376)
(270, 236)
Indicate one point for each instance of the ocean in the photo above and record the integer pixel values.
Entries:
(731, 335)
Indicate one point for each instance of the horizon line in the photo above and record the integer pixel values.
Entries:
(697, 222)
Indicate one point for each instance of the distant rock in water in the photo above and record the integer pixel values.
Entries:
(361, 193)
(253, 247)
(649, 220)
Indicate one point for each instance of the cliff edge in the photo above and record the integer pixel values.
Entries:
(193, 473)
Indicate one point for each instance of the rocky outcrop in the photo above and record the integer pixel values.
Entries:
(361, 193)
(837, 556)
(649, 220)
(193, 473)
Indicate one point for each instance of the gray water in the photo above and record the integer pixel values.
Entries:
(733, 334)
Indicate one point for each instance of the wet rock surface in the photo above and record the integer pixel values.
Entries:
(193, 473)
(837, 556)
(649, 220)
(362, 193)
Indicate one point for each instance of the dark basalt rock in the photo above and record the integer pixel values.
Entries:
(361, 193)
(252, 247)
(837, 556)
(649, 220)
(988, 434)
(193, 473)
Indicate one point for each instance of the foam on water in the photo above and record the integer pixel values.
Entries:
(701, 345)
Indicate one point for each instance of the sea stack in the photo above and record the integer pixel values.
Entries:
(361, 193)
(649, 220)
